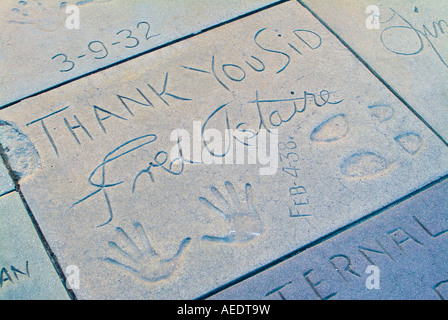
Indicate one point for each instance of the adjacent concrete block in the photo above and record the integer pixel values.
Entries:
(405, 42)
(399, 254)
(46, 42)
(25, 268)
(134, 188)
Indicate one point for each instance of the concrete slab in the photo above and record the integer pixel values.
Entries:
(26, 272)
(399, 254)
(6, 183)
(405, 42)
(114, 195)
(40, 49)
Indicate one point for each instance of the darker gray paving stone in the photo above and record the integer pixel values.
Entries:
(408, 243)
(26, 271)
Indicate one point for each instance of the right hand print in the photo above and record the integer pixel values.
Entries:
(244, 221)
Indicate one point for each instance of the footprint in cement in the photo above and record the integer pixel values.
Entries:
(382, 112)
(364, 165)
(330, 130)
(410, 142)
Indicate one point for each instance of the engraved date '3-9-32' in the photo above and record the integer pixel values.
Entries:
(125, 37)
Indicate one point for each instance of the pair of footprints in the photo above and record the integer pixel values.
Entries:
(364, 164)
(41, 16)
(244, 222)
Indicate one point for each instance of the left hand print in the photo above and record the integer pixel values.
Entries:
(144, 262)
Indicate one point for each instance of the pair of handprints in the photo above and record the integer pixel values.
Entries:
(244, 223)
